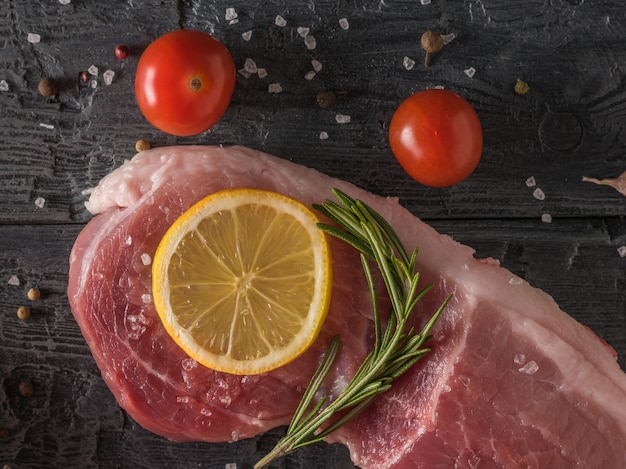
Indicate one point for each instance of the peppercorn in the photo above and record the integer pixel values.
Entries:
(23, 313)
(327, 98)
(26, 388)
(48, 86)
(33, 294)
(521, 87)
(432, 43)
(142, 145)
(122, 51)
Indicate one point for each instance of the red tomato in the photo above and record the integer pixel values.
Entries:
(437, 138)
(184, 82)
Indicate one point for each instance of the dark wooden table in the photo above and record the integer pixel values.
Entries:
(571, 124)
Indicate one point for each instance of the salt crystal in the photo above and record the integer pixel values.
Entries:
(515, 281)
(46, 126)
(343, 22)
(146, 259)
(546, 218)
(621, 251)
(65, 2)
(188, 364)
(146, 298)
(246, 35)
(108, 77)
(245, 72)
(530, 182)
(310, 42)
(129, 240)
(448, 38)
(519, 359)
(231, 14)
(230, 465)
(94, 84)
(33, 38)
(206, 412)
(539, 194)
(529, 368)
(439, 87)
(182, 399)
(4, 86)
(342, 118)
(425, 2)
(261, 72)
(274, 88)
(250, 66)
(470, 72)
(323, 135)
(310, 75)
(235, 21)
(302, 31)
(408, 63)
(40, 202)
(93, 70)
(13, 280)
(316, 64)
(280, 21)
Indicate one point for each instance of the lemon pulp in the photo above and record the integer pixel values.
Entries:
(242, 280)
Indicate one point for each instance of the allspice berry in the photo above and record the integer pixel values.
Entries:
(23, 313)
(142, 145)
(48, 86)
(432, 43)
(26, 388)
(33, 294)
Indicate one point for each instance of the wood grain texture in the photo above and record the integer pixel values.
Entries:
(572, 53)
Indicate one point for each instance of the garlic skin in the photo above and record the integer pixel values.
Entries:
(618, 183)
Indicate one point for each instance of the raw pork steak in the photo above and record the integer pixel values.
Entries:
(512, 381)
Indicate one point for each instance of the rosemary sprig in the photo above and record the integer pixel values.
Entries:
(395, 349)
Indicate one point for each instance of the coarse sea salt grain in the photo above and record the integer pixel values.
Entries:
(310, 75)
(247, 35)
(408, 63)
(342, 118)
(274, 88)
(46, 126)
(470, 72)
(14, 280)
(250, 66)
(515, 281)
(65, 2)
(33, 38)
(4, 86)
(261, 72)
(231, 14)
(343, 22)
(539, 194)
(230, 465)
(302, 31)
(310, 42)
(146, 259)
(425, 2)
(448, 38)
(323, 135)
(244, 72)
(280, 21)
(530, 182)
(40, 202)
(529, 368)
(546, 218)
(94, 84)
(621, 251)
(93, 70)
(108, 77)
(316, 64)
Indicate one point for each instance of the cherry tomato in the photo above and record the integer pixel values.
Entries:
(184, 82)
(436, 137)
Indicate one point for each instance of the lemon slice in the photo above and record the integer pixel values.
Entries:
(242, 280)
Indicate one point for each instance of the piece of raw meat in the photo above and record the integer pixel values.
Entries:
(512, 381)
